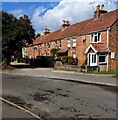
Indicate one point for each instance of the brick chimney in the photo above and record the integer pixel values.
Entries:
(46, 31)
(99, 11)
(65, 24)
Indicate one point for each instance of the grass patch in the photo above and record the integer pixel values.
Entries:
(113, 73)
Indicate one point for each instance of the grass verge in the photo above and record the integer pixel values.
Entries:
(112, 73)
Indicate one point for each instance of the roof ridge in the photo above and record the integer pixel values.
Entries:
(83, 27)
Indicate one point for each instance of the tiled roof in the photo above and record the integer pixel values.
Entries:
(83, 27)
(100, 47)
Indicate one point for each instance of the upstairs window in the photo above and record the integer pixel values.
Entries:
(39, 47)
(95, 37)
(56, 44)
(60, 44)
(68, 43)
(74, 42)
(45, 46)
(48, 46)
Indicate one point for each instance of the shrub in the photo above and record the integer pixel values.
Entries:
(58, 59)
(18, 60)
(65, 59)
(42, 61)
(54, 51)
(69, 60)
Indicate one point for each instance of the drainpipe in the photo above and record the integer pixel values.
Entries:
(108, 48)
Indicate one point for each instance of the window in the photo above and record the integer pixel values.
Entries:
(45, 46)
(60, 44)
(74, 42)
(102, 58)
(24, 50)
(96, 37)
(39, 47)
(56, 44)
(48, 46)
(93, 58)
(68, 43)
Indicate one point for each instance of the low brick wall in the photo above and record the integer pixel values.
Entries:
(76, 68)
(59, 65)
(92, 69)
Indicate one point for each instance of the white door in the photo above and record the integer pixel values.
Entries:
(92, 59)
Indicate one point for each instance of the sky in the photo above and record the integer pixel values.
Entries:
(50, 13)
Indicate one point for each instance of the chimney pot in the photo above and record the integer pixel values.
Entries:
(46, 31)
(98, 8)
(102, 7)
(99, 11)
(65, 24)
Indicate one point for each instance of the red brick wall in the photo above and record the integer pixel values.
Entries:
(113, 44)
(81, 46)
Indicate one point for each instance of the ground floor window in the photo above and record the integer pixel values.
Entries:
(102, 58)
(92, 59)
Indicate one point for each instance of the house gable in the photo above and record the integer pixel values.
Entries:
(90, 47)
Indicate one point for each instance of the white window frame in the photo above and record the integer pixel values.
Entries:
(92, 63)
(95, 35)
(74, 42)
(104, 55)
(68, 43)
(39, 47)
(60, 44)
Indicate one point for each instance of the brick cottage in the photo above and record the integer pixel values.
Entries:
(93, 41)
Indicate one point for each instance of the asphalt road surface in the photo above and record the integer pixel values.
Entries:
(51, 98)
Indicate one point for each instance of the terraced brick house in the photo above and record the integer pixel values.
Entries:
(93, 42)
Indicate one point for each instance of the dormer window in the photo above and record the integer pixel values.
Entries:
(95, 37)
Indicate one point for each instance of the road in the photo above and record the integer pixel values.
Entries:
(52, 73)
(51, 98)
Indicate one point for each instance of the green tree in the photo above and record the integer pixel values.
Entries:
(16, 33)
(54, 51)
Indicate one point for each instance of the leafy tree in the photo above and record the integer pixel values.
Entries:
(16, 33)
(54, 51)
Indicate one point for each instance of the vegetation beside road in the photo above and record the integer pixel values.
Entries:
(113, 73)
(16, 33)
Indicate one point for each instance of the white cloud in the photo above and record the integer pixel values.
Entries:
(18, 12)
(71, 10)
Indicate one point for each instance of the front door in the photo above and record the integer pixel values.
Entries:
(92, 59)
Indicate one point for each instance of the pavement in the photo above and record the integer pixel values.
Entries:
(10, 111)
(65, 75)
